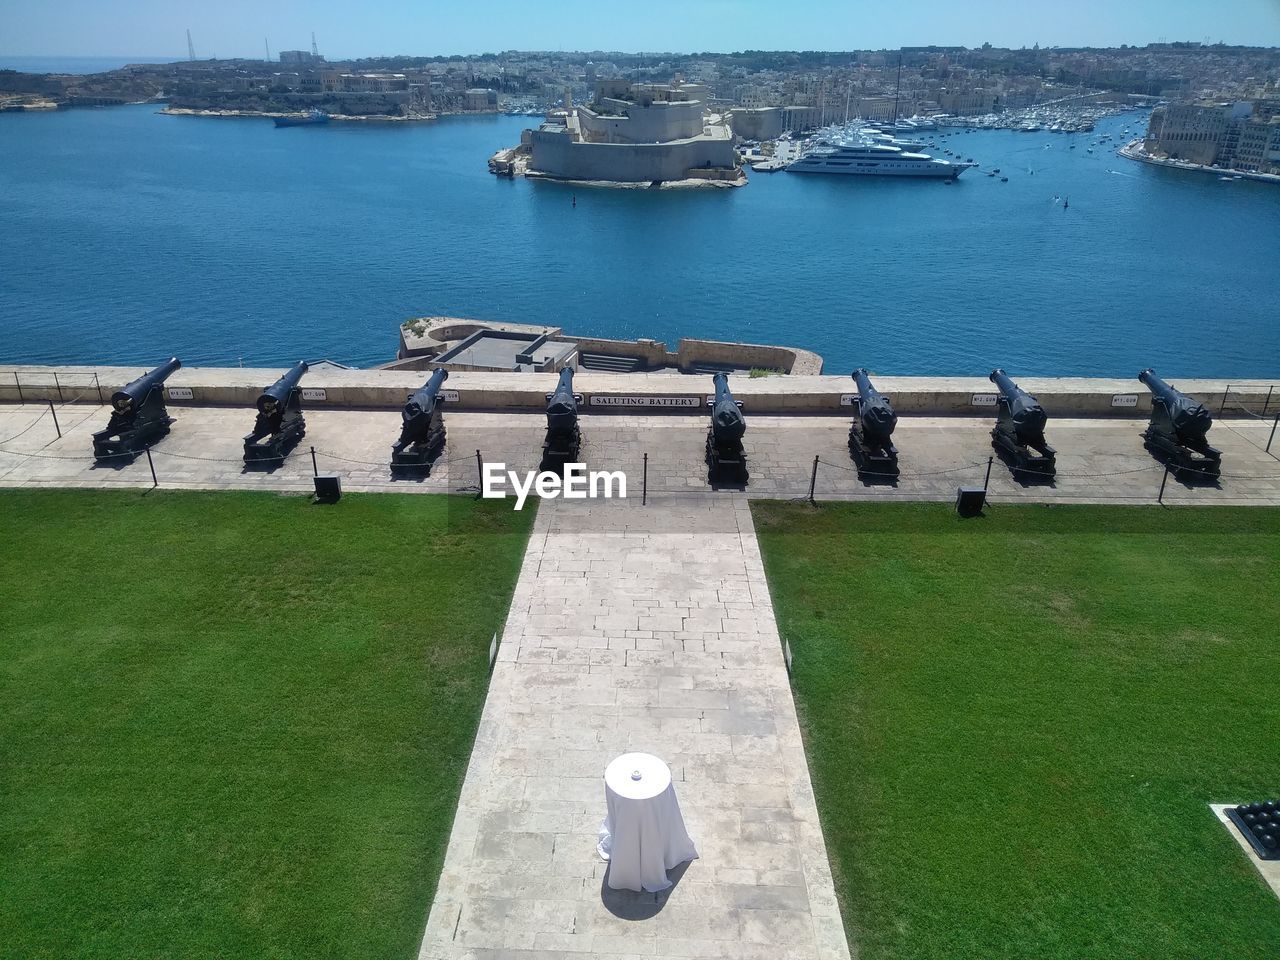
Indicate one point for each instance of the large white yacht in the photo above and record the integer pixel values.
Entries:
(874, 159)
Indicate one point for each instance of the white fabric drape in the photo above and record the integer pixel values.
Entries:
(643, 834)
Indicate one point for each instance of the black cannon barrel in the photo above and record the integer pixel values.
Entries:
(875, 412)
(279, 391)
(426, 397)
(562, 408)
(1189, 417)
(1025, 411)
(727, 421)
(132, 394)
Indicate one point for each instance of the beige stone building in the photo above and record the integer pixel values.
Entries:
(1244, 135)
(635, 133)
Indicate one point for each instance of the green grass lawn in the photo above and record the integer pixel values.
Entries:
(235, 724)
(1015, 724)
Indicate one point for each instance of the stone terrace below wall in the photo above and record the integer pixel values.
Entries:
(933, 396)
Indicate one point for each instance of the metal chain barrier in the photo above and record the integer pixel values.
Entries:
(29, 427)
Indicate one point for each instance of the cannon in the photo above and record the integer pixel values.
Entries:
(871, 433)
(563, 439)
(422, 430)
(1176, 433)
(726, 459)
(138, 415)
(280, 423)
(1018, 435)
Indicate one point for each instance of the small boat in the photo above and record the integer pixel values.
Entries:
(312, 116)
(1004, 179)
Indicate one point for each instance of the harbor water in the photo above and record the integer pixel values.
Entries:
(127, 236)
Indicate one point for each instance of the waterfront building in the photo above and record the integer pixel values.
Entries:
(635, 133)
(479, 99)
(1241, 135)
(966, 103)
(756, 123)
(799, 119)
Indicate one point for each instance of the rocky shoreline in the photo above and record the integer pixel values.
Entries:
(366, 118)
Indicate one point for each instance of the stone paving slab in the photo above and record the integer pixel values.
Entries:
(638, 629)
(1099, 460)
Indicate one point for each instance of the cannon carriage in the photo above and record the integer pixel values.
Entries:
(280, 423)
(726, 459)
(139, 416)
(422, 431)
(1018, 435)
(563, 440)
(1176, 434)
(871, 433)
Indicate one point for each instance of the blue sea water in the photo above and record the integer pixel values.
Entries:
(130, 236)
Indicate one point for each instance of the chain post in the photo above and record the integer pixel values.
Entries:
(152, 464)
(1163, 481)
(315, 470)
(644, 482)
(987, 482)
(1273, 432)
(813, 479)
(58, 383)
(55, 419)
(98, 383)
(18, 382)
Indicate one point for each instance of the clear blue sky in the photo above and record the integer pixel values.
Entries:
(231, 28)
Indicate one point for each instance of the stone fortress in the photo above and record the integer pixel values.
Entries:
(632, 133)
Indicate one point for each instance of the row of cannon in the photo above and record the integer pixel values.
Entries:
(1176, 433)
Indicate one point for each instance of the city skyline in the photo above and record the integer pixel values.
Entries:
(237, 28)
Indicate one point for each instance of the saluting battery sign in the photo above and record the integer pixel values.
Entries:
(597, 401)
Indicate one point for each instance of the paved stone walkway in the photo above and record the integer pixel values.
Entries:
(636, 629)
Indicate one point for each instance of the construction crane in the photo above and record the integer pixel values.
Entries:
(267, 44)
(191, 50)
(314, 51)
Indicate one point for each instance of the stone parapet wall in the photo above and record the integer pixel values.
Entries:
(933, 396)
(560, 155)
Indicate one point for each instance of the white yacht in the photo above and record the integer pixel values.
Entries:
(874, 159)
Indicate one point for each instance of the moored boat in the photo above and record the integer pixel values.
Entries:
(312, 116)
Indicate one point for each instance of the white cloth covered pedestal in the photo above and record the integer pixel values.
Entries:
(643, 835)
